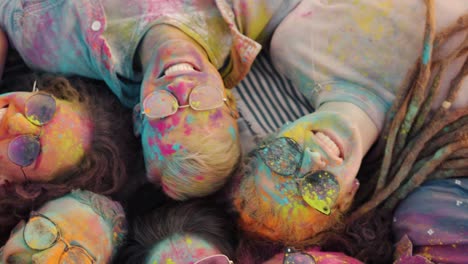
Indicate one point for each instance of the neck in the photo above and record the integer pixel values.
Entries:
(163, 36)
(367, 130)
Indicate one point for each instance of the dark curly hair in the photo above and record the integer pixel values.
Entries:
(164, 217)
(104, 167)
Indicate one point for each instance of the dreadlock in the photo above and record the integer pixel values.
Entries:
(408, 160)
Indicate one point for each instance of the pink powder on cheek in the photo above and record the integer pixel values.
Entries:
(187, 131)
(199, 178)
(161, 127)
(167, 149)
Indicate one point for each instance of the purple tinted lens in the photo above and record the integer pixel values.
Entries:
(298, 258)
(216, 259)
(23, 150)
(40, 108)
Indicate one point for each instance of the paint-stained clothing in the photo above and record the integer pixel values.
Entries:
(356, 51)
(432, 223)
(99, 38)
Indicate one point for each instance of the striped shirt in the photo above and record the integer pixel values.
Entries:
(266, 100)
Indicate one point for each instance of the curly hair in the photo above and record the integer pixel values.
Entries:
(197, 217)
(104, 167)
(110, 211)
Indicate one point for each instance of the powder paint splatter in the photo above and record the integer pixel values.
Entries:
(320, 190)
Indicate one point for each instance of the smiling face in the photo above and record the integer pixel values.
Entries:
(187, 134)
(63, 140)
(181, 249)
(79, 226)
(272, 205)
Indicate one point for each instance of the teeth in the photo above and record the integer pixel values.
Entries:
(328, 143)
(179, 67)
(3, 112)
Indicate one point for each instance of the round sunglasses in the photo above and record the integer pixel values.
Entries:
(292, 256)
(161, 103)
(39, 109)
(283, 155)
(41, 233)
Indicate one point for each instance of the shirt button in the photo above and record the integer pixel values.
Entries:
(96, 25)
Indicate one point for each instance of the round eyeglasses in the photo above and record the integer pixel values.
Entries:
(39, 110)
(283, 155)
(215, 259)
(292, 256)
(161, 103)
(41, 233)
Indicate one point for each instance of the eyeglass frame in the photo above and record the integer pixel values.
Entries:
(36, 91)
(59, 236)
(298, 178)
(217, 255)
(140, 110)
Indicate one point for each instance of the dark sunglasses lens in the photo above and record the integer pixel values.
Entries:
(23, 150)
(298, 258)
(320, 190)
(216, 259)
(282, 156)
(40, 233)
(40, 109)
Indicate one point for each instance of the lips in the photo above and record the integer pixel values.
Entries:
(329, 145)
(178, 69)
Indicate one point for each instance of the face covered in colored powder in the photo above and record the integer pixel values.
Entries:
(60, 223)
(41, 135)
(183, 249)
(301, 178)
(185, 105)
(311, 256)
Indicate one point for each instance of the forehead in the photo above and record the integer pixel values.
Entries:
(178, 248)
(75, 218)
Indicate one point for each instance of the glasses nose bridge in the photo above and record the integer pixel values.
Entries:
(182, 91)
(18, 124)
(311, 161)
(50, 255)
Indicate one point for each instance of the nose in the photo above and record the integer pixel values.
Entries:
(181, 90)
(18, 124)
(51, 255)
(311, 161)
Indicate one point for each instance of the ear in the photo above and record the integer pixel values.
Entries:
(348, 199)
(137, 120)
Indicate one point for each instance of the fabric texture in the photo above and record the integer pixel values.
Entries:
(99, 39)
(434, 219)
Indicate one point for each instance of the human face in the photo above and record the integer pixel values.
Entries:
(183, 68)
(181, 249)
(79, 226)
(63, 140)
(330, 143)
(312, 256)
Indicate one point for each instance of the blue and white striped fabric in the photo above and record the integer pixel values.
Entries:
(266, 100)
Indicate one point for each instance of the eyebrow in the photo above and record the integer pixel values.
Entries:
(76, 243)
